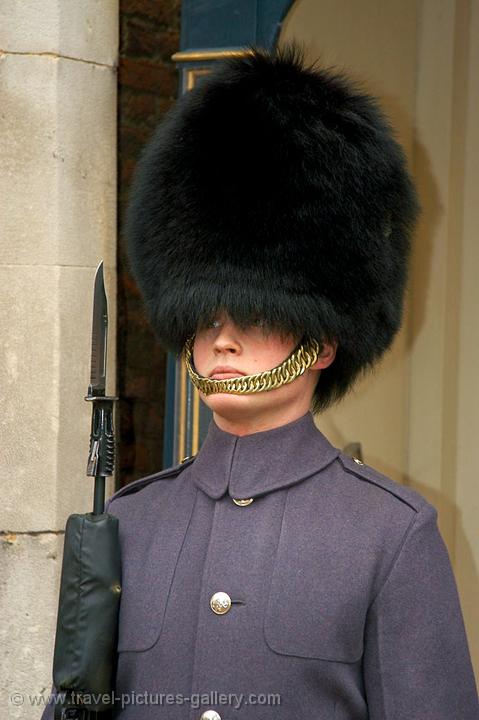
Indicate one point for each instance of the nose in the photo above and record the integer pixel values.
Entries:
(226, 341)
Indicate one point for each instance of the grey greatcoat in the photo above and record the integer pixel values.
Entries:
(340, 601)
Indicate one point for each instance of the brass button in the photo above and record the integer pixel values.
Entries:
(243, 503)
(358, 461)
(220, 603)
(210, 715)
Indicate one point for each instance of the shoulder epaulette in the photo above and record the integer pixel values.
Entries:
(167, 474)
(365, 472)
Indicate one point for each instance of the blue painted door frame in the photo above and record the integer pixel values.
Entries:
(210, 30)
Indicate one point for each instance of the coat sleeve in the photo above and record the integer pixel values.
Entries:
(416, 662)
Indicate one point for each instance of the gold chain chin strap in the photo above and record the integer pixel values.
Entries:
(295, 365)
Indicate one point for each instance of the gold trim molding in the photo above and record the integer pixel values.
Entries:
(212, 54)
(192, 74)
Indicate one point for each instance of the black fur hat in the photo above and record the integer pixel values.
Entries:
(276, 190)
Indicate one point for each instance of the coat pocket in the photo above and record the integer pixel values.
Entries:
(319, 630)
(313, 621)
(152, 533)
(318, 596)
(141, 614)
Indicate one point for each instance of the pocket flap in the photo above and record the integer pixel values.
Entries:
(152, 531)
(320, 588)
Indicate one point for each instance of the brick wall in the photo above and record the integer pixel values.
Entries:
(148, 83)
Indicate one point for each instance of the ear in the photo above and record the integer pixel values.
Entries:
(326, 357)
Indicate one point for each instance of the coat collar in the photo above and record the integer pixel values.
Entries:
(251, 465)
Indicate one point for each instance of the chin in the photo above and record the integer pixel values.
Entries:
(236, 406)
(226, 402)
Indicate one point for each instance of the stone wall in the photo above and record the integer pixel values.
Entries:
(58, 63)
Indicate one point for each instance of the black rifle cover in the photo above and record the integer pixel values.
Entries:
(85, 654)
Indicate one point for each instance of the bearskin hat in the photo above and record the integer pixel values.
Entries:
(276, 190)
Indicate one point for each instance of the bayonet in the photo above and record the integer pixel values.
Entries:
(99, 337)
(101, 457)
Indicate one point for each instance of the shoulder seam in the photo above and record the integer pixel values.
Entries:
(396, 556)
(357, 474)
(139, 484)
(426, 514)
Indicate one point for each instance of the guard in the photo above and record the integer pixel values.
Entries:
(271, 576)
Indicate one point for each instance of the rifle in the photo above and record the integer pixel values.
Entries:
(84, 664)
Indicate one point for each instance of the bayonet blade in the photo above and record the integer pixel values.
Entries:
(99, 337)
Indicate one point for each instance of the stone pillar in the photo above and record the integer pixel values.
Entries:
(58, 219)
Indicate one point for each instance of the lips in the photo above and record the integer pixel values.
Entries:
(224, 372)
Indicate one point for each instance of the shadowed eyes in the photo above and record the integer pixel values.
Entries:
(255, 322)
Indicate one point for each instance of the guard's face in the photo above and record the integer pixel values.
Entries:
(223, 350)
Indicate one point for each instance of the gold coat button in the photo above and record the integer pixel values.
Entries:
(210, 715)
(243, 503)
(220, 603)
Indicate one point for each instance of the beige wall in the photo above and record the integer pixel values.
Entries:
(444, 351)
(57, 220)
(340, 32)
(418, 417)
